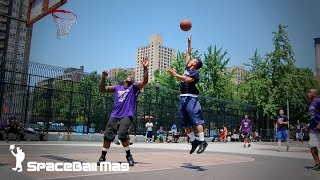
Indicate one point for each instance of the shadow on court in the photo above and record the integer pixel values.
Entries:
(191, 166)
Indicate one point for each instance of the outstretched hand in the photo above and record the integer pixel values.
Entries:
(145, 62)
(189, 40)
(171, 71)
(189, 47)
(104, 74)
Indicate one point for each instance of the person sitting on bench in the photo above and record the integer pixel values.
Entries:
(12, 127)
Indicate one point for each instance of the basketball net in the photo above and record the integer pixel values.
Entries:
(64, 20)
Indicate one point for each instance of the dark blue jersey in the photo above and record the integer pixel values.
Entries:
(190, 88)
(282, 127)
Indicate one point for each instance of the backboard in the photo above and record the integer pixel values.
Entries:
(40, 8)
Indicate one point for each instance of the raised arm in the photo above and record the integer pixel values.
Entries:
(188, 53)
(103, 87)
(145, 64)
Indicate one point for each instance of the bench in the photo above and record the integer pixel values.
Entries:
(37, 135)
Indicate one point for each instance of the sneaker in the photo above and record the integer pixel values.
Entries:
(249, 145)
(202, 147)
(244, 146)
(130, 160)
(101, 159)
(316, 167)
(279, 149)
(130, 142)
(194, 145)
(287, 148)
(117, 143)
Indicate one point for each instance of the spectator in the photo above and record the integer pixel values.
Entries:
(213, 134)
(257, 136)
(12, 127)
(160, 133)
(223, 134)
(299, 132)
(149, 126)
(235, 136)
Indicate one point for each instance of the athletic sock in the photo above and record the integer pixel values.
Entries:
(279, 143)
(127, 149)
(201, 136)
(192, 137)
(104, 151)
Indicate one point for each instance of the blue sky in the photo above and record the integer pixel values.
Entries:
(107, 33)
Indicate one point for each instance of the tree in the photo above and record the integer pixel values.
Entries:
(214, 80)
(89, 102)
(164, 78)
(122, 75)
(274, 79)
(256, 86)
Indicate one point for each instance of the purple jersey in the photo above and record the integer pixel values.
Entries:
(246, 125)
(314, 111)
(125, 99)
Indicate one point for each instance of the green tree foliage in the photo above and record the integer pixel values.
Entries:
(122, 75)
(165, 80)
(214, 82)
(274, 79)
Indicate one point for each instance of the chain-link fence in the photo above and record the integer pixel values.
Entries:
(68, 99)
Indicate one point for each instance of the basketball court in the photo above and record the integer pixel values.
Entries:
(161, 161)
(170, 162)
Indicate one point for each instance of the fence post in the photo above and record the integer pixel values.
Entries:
(136, 119)
(2, 84)
(157, 119)
(85, 109)
(89, 111)
(70, 108)
(27, 101)
(49, 103)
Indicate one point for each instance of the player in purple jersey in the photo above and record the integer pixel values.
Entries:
(314, 111)
(190, 112)
(245, 129)
(124, 105)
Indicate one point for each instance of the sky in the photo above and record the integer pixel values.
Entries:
(107, 33)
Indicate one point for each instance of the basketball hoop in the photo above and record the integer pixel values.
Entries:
(64, 20)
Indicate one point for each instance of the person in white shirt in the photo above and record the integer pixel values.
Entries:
(149, 126)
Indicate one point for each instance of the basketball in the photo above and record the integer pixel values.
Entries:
(185, 25)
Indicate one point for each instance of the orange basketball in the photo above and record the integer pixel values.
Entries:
(185, 25)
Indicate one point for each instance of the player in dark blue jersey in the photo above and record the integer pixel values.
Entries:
(282, 129)
(190, 112)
